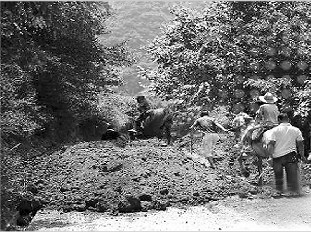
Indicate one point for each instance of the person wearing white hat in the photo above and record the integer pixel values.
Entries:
(268, 113)
(266, 117)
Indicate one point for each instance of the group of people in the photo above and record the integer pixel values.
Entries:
(285, 144)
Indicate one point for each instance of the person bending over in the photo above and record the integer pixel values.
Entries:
(209, 127)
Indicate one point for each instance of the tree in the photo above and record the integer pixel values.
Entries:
(53, 65)
(187, 55)
(242, 49)
(273, 44)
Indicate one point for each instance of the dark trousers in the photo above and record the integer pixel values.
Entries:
(290, 163)
(140, 119)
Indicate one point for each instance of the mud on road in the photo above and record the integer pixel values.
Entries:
(101, 177)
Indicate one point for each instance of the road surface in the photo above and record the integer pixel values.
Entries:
(290, 214)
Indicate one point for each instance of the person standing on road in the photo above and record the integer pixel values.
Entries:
(283, 142)
(210, 127)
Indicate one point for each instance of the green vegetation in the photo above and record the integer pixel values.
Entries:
(53, 66)
(242, 50)
(58, 75)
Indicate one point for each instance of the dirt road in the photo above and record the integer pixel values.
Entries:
(290, 214)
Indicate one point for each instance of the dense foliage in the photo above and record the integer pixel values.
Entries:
(53, 65)
(231, 52)
(53, 68)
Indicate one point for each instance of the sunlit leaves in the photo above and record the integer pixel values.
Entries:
(183, 51)
(236, 46)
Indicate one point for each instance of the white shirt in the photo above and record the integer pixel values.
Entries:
(285, 136)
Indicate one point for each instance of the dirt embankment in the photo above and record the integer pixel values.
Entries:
(100, 176)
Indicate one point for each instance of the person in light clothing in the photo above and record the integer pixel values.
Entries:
(240, 123)
(210, 127)
(267, 113)
(266, 116)
(283, 142)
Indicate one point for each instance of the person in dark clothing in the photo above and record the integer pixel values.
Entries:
(110, 134)
(143, 108)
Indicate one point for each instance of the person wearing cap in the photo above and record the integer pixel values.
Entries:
(209, 127)
(143, 108)
(268, 113)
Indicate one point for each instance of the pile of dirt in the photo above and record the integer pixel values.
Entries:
(101, 176)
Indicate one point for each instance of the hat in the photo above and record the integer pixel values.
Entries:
(268, 98)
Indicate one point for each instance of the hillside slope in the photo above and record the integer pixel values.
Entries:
(139, 23)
